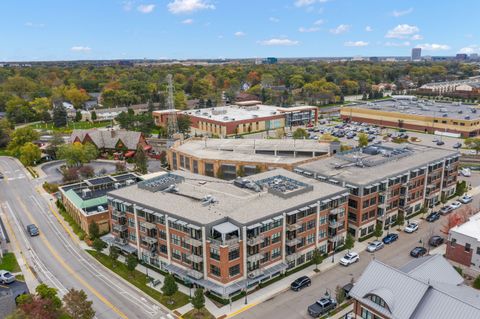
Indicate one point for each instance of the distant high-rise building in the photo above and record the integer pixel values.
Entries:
(473, 56)
(270, 60)
(461, 56)
(416, 54)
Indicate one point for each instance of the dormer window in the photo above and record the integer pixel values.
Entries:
(379, 301)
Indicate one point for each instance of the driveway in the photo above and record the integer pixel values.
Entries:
(52, 169)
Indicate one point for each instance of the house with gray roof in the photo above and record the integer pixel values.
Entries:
(120, 140)
(425, 288)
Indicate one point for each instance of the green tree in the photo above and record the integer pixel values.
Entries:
(19, 111)
(19, 138)
(476, 283)
(180, 100)
(300, 133)
(349, 241)
(49, 293)
(131, 262)
(362, 140)
(77, 306)
(77, 153)
(339, 295)
(184, 123)
(170, 286)
(141, 163)
(76, 96)
(78, 116)
(378, 230)
(113, 253)
(5, 132)
(473, 143)
(30, 154)
(98, 245)
(198, 300)
(317, 258)
(59, 115)
(93, 116)
(240, 171)
(94, 230)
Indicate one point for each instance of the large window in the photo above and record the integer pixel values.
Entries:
(368, 315)
(214, 270)
(234, 254)
(214, 254)
(234, 270)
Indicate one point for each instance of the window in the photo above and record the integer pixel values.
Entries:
(322, 233)
(276, 238)
(352, 203)
(234, 270)
(453, 242)
(478, 250)
(310, 224)
(214, 254)
(376, 299)
(310, 239)
(175, 239)
(368, 315)
(233, 254)
(275, 253)
(323, 220)
(467, 247)
(131, 222)
(134, 238)
(214, 270)
(176, 254)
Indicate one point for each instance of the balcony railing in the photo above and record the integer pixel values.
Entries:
(255, 273)
(291, 257)
(119, 228)
(195, 258)
(195, 274)
(150, 240)
(255, 258)
(150, 226)
(336, 211)
(193, 241)
(293, 242)
(232, 242)
(252, 241)
(334, 224)
(293, 227)
(118, 213)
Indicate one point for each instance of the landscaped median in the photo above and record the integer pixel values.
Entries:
(139, 280)
(9, 262)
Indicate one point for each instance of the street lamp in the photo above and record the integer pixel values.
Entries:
(334, 247)
(246, 287)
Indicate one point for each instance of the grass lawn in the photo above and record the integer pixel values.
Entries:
(9, 262)
(70, 126)
(3, 152)
(198, 314)
(139, 280)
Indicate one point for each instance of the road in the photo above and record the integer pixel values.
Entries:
(56, 256)
(294, 305)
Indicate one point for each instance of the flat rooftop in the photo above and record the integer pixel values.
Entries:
(361, 168)
(453, 110)
(471, 228)
(232, 113)
(254, 150)
(287, 191)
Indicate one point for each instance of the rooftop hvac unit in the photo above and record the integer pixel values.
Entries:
(86, 192)
(100, 208)
(129, 182)
(117, 185)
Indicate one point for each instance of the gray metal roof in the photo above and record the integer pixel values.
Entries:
(421, 268)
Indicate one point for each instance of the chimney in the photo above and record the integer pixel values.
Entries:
(112, 133)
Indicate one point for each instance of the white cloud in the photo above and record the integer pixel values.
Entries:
(399, 13)
(319, 22)
(188, 6)
(305, 3)
(355, 44)
(279, 42)
(402, 31)
(398, 44)
(470, 49)
(368, 28)
(146, 8)
(127, 5)
(416, 37)
(187, 21)
(80, 48)
(434, 47)
(239, 34)
(342, 28)
(273, 19)
(34, 25)
(306, 30)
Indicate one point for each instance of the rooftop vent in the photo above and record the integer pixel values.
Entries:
(86, 192)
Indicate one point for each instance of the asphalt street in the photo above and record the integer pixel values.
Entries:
(56, 257)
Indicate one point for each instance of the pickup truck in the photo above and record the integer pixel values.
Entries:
(322, 306)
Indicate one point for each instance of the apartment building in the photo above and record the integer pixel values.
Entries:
(226, 236)
(387, 180)
(463, 245)
(231, 158)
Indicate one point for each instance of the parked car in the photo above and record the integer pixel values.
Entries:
(346, 290)
(455, 205)
(374, 246)
(440, 143)
(435, 241)
(466, 172)
(433, 216)
(349, 258)
(445, 210)
(300, 283)
(33, 230)
(411, 227)
(465, 199)
(418, 252)
(6, 277)
(322, 306)
(457, 145)
(390, 238)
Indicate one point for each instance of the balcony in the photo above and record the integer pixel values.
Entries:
(256, 257)
(193, 241)
(336, 211)
(232, 242)
(291, 257)
(150, 240)
(255, 273)
(195, 274)
(334, 224)
(150, 253)
(293, 242)
(195, 258)
(252, 241)
(150, 226)
(293, 227)
(119, 228)
(118, 213)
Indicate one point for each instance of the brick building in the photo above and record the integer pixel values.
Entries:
(387, 180)
(225, 236)
(463, 245)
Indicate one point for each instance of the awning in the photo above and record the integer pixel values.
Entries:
(192, 226)
(147, 147)
(254, 226)
(278, 218)
(129, 154)
(268, 221)
(293, 212)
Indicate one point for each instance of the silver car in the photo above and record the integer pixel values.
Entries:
(374, 246)
(6, 277)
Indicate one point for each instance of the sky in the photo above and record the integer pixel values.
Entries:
(33, 30)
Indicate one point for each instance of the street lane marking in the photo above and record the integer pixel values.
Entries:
(68, 268)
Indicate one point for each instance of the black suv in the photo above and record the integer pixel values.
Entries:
(433, 216)
(300, 283)
(435, 241)
(321, 306)
(32, 230)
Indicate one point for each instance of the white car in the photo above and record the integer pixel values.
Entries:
(6, 277)
(411, 227)
(465, 199)
(455, 205)
(374, 246)
(349, 258)
(466, 172)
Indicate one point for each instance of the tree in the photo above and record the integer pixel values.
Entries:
(49, 293)
(19, 111)
(240, 171)
(198, 300)
(184, 123)
(86, 171)
(473, 143)
(141, 163)
(41, 106)
(120, 167)
(5, 132)
(30, 154)
(78, 116)
(70, 174)
(98, 244)
(300, 133)
(476, 282)
(349, 241)
(362, 140)
(131, 263)
(317, 258)
(59, 115)
(170, 286)
(93, 116)
(77, 153)
(76, 305)
(378, 230)
(180, 100)
(94, 230)
(339, 295)
(76, 96)
(113, 253)
(19, 138)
